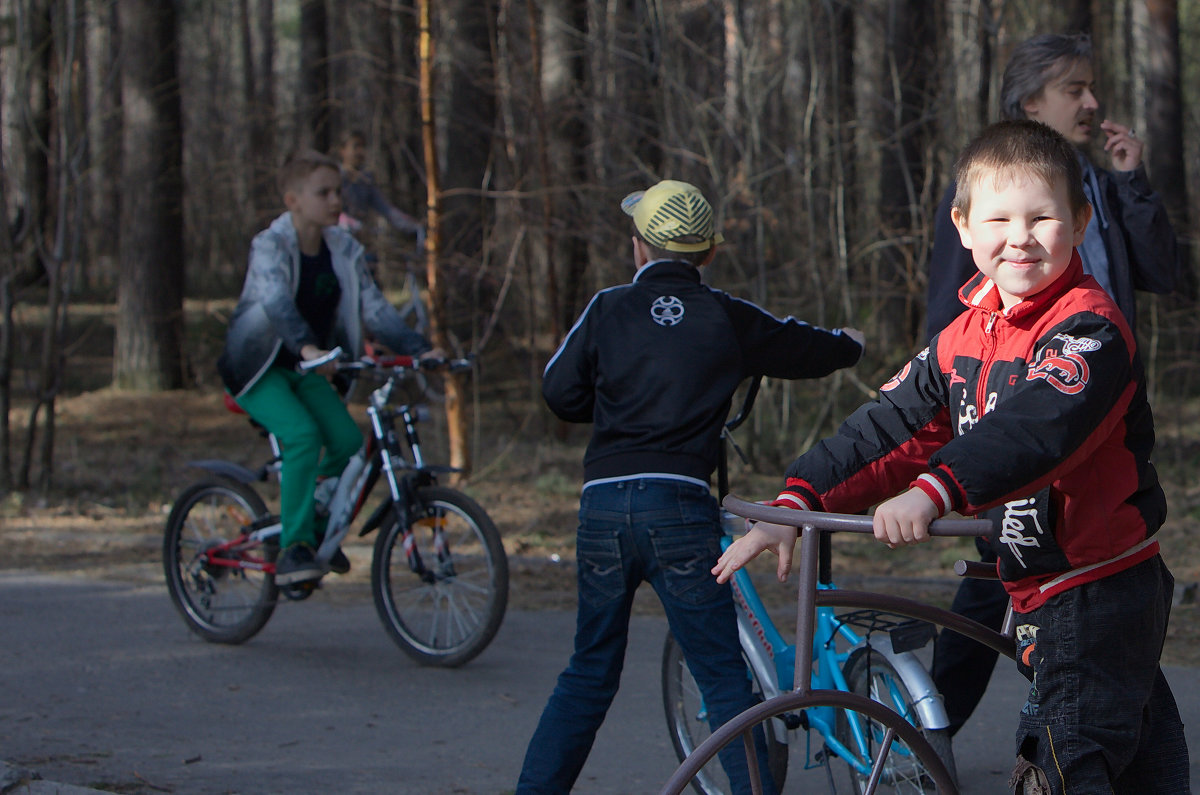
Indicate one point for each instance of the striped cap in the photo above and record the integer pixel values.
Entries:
(673, 216)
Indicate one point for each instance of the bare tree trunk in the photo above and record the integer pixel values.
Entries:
(256, 22)
(262, 125)
(561, 117)
(149, 343)
(967, 66)
(314, 76)
(104, 143)
(456, 420)
(1164, 108)
(35, 52)
(1164, 124)
(8, 269)
(469, 118)
(899, 44)
(1079, 15)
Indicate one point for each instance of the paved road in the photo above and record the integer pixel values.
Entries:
(101, 685)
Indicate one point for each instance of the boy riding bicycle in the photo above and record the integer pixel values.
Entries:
(1029, 409)
(307, 289)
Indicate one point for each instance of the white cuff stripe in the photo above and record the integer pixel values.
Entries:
(796, 502)
(940, 488)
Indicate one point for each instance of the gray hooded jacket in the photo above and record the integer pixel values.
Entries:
(266, 317)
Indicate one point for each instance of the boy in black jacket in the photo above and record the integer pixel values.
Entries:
(653, 366)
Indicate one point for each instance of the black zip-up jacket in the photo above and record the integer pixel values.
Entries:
(654, 364)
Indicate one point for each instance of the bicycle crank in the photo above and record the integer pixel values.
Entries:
(299, 591)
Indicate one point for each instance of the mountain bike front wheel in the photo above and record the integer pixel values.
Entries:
(441, 581)
(870, 674)
(213, 570)
(687, 720)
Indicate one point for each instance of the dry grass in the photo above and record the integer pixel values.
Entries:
(121, 458)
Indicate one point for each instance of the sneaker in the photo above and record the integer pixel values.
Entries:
(339, 563)
(297, 564)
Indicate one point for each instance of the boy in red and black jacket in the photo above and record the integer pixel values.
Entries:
(1029, 409)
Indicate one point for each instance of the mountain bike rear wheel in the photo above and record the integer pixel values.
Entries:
(870, 674)
(687, 720)
(446, 612)
(213, 574)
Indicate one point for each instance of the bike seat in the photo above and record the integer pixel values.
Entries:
(232, 405)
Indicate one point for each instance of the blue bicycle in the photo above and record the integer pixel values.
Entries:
(864, 651)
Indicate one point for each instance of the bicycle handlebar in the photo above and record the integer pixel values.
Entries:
(415, 363)
(841, 522)
(376, 362)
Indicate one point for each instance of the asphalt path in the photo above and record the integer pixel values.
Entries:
(101, 685)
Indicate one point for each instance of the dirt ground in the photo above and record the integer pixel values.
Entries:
(121, 458)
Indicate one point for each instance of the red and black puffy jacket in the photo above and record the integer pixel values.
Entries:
(1035, 418)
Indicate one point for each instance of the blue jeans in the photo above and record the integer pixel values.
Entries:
(961, 667)
(1100, 716)
(667, 533)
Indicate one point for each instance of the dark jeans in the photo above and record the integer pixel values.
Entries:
(961, 667)
(667, 533)
(1100, 716)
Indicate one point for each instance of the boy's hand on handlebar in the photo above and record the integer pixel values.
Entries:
(855, 335)
(434, 356)
(778, 538)
(905, 519)
(311, 352)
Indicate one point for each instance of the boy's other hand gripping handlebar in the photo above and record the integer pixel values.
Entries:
(775, 531)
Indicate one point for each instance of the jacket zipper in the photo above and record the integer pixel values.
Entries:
(986, 364)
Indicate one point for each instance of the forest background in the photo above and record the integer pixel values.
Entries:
(140, 140)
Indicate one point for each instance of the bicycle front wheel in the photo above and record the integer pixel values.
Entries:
(441, 583)
(870, 674)
(214, 573)
(687, 720)
(897, 735)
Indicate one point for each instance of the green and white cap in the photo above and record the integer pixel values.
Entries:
(674, 216)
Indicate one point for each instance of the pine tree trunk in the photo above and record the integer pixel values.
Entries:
(149, 340)
(456, 405)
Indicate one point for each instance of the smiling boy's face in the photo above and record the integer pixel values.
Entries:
(1020, 231)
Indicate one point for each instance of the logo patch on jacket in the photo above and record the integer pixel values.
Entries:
(667, 310)
(897, 379)
(1021, 527)
(1064, 368)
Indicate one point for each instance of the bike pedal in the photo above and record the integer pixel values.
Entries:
(298, 592)
(795, 720)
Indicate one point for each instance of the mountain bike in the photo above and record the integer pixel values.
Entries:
(439, 572)
(865, 706)
(862, 651)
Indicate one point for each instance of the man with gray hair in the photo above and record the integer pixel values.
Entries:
(1128, 245)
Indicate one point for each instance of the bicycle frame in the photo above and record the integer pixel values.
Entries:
(814, 702)
(383, 455)
(773, 661)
